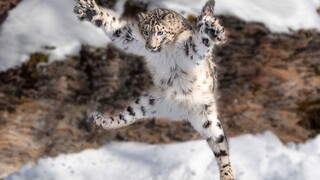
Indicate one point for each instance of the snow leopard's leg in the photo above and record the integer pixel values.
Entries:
(146, 106)
(209, 33)
(122, 33)
(209, 126)
(88, 10)
(199, 46)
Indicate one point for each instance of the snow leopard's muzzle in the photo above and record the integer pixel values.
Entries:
(154, 43)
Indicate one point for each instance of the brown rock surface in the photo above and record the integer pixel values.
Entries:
(44, 108)
(267, 82)
(5, 6)
(270, 81)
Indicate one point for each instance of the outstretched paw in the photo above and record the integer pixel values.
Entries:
(214, 30)
(98, 119)
(86, 10)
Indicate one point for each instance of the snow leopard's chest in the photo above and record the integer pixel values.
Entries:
(189, 86)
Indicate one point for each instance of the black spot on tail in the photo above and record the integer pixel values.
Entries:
(223, 153)
(224, 166)
(121, 117)
(206, 124)
(98, 22)
(130, 110)
(111, 118)
(216, 154)
(220, 139)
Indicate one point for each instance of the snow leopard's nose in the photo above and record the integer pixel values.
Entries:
(152, 48)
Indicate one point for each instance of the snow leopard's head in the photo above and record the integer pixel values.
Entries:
(161, 27)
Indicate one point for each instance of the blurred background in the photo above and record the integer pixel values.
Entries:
(54, 71)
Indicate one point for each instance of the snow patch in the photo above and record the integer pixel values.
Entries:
(253, 158)
(36, 24)
(279, 16)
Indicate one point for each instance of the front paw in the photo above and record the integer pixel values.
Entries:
(98, 119)
(214, 30)
(86, 10)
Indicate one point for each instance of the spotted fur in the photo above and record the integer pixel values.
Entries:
(180, 59)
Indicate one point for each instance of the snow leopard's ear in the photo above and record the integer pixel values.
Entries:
(141, 17)
(169, 18)
(208, 9)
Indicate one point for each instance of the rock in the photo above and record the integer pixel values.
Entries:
(44, 109)
(271, 77)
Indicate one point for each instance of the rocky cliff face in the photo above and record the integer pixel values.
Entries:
(270, 81)
(267, 82)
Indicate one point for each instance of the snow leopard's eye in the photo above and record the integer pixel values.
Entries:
(146, 33)
(159, 33)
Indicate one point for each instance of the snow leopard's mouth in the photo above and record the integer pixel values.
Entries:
(154, 50)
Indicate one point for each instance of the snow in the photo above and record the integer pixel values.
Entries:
(254, 157)
(36, 24)
(316, 2)
(279, 16)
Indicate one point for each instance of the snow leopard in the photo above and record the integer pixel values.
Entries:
(180, 59)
